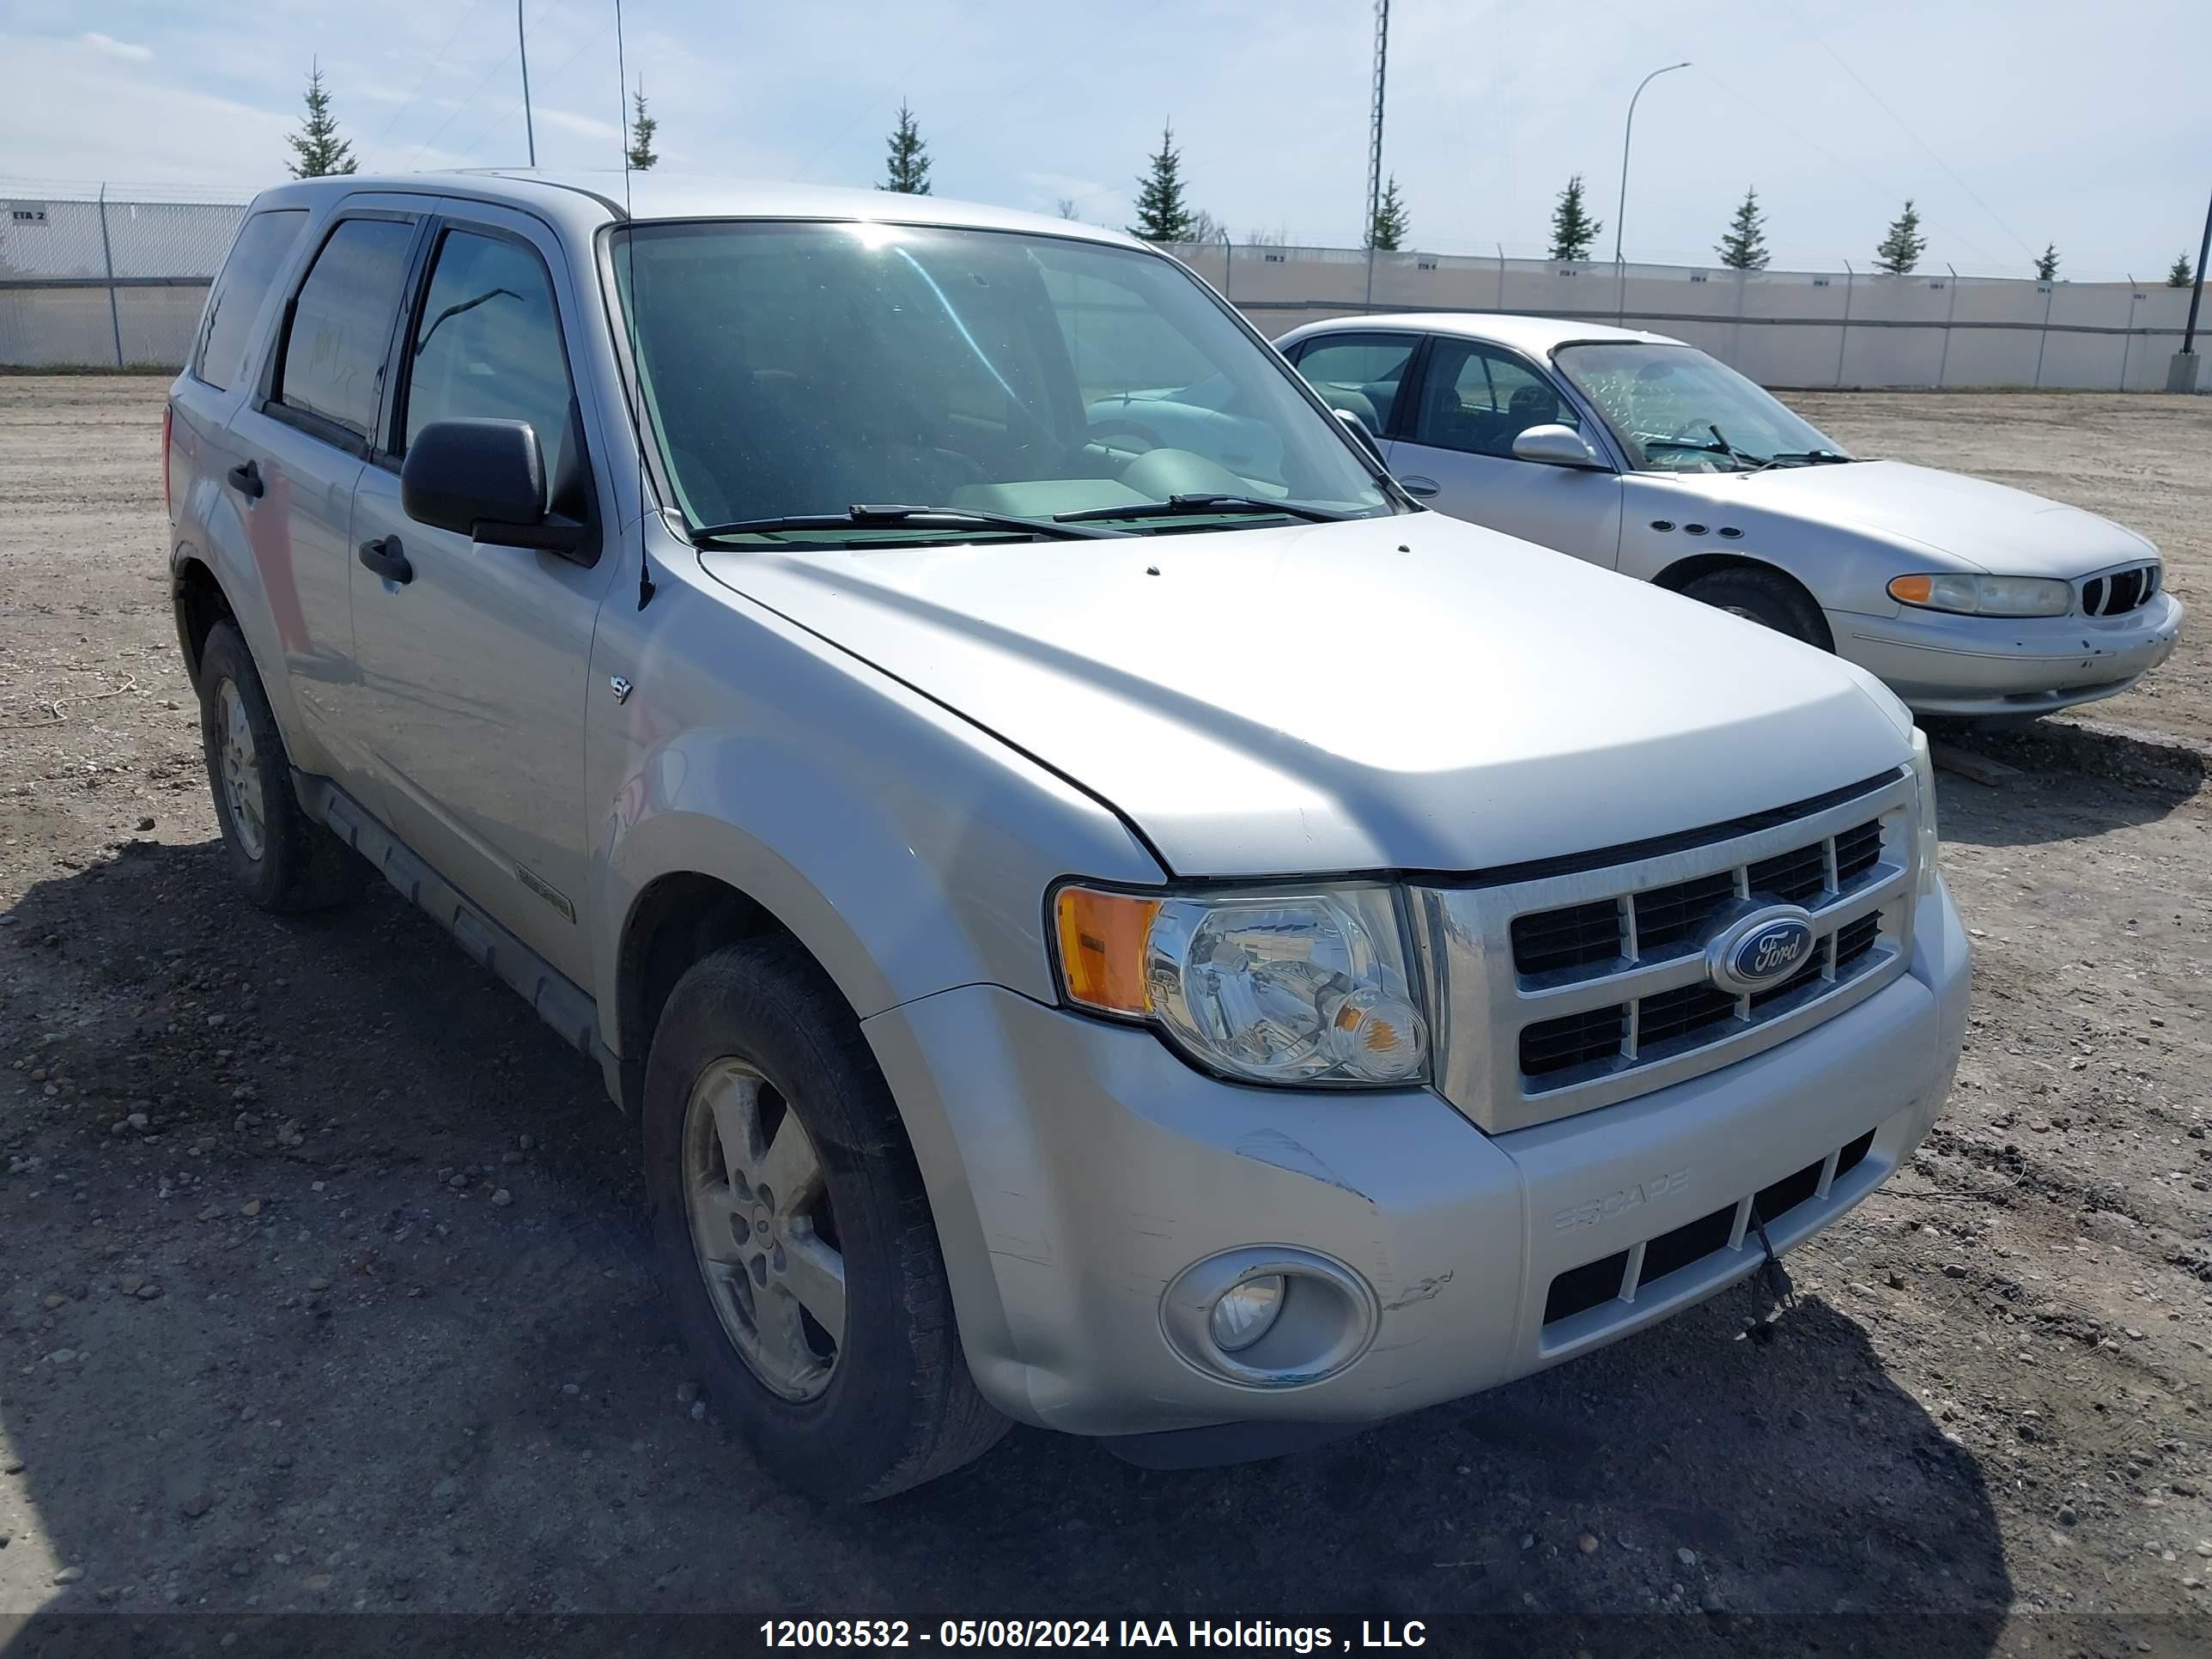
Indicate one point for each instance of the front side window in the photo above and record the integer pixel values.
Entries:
(1360, 372)
(487, 346)
(800, 369)
(1479, 401)
(1676, 410)
(332, 365)
(257, 259)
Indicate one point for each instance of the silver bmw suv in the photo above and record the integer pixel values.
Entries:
(1108, 914)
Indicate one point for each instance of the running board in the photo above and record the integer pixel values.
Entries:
(559, 1001)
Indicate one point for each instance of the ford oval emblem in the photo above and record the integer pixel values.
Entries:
(1763, 950)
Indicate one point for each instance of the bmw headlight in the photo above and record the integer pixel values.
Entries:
(1305, 987)
(1986, 596)
(1924, 815)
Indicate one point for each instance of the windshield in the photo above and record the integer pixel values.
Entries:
(1676, 410)
(801, 369)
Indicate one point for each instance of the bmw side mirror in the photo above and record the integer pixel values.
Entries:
(1360, 432)
(1553, 444)
(484, 480)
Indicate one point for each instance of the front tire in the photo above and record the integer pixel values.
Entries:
(795, 1236)
(282, 858)
(1767, 597)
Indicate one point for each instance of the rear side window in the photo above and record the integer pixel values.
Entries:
(1361, 373)
(332, 365)
(257, 258)
(488, 346)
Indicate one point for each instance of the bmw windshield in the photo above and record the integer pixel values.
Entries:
(846, 375)
(1676, 410)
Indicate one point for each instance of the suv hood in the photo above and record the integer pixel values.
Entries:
(1406, 693)
(1987, 526)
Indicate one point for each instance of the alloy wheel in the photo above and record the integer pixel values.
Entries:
(762, 1230)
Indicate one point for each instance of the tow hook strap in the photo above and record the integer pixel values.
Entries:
(1772, 1272)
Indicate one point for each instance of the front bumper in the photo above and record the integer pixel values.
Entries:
(1077, 1169)
(1946, 665)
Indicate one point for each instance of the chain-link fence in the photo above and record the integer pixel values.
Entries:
(109, 278)
(98, 275)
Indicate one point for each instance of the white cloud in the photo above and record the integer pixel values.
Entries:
(586, 124)
(115, 48)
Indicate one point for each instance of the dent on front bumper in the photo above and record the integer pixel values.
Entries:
(1946, 664)
(1077, 1169)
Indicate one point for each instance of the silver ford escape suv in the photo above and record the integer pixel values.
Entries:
(1108, 915)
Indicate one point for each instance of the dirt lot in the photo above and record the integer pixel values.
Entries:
(323, 1286)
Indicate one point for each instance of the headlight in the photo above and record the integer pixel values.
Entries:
(1923, 818)
(1986, 596)
(1301, 987)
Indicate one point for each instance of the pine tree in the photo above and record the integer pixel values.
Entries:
(1744, 247)
(319, 150)
(1572, 228)
(643, 126)
(1388, 233)
(1900, 251)
(2047, 263)
(906, 165)
(1163, 215)
(2182, 273)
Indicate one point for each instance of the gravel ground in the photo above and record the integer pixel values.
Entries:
(323, 1286)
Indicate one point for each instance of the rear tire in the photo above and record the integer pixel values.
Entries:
(794, 1235)
(283, 860)
(1767, 597)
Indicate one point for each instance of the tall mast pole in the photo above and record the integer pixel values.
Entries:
(522, 45)
(1374, 127)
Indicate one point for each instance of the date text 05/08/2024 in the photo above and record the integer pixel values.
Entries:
(1095, 1633)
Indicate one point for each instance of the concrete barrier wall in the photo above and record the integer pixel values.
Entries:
(110, 283)
(1781, 328)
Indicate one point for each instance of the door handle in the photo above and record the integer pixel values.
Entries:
(384, 557)
(245, 479)
(1414, 485)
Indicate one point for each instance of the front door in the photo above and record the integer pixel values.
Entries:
(475, 668)
(1457, 453)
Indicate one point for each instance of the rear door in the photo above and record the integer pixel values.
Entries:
(303, 439)
(1473, 400)
(475, 669)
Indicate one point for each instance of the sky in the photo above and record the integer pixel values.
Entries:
(2011, 124)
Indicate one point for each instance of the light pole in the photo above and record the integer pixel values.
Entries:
(1627, 132)
(522, 45)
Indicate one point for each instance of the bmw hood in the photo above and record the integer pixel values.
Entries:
(1980, 526)
(1407, 693)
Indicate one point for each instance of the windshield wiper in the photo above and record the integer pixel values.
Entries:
(1180, 506)
(1809, 458)
(866, 516)
(1751, 463)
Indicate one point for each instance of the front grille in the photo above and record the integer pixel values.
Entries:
(1566, 986)
(2119, 591)
(1570, 937)
(1680, 1012)
(1587, 935)
(1669, 915)
(1619, 1277)
(1558, 1045)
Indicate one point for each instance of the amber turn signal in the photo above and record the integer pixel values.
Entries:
(1911, 590)
(1102, 948)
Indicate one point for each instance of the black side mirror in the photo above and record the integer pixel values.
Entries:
(484, 480)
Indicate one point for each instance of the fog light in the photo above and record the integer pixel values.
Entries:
(1246, 1312)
